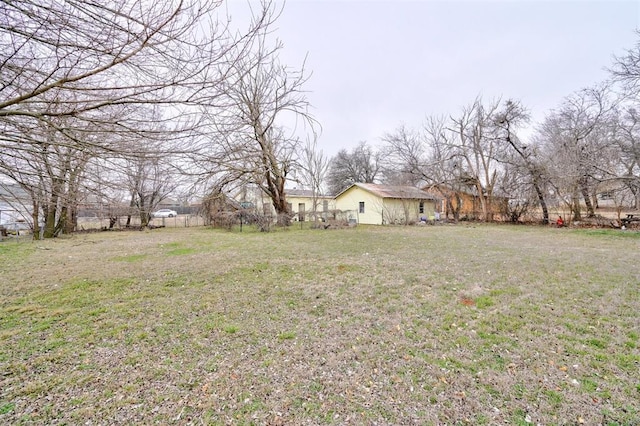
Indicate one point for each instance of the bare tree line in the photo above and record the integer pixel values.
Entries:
(123, 100)
(587, 146)
(129, 103)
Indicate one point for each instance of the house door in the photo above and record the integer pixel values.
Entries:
(301, 212)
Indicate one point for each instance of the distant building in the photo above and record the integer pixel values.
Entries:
(374, 204)
(15, 205)
(468, 205)
(306, 205)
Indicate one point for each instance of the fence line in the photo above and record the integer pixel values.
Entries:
(180, 221)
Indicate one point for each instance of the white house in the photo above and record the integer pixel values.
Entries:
(15, 205)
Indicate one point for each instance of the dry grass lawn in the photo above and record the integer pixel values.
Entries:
(374, 325)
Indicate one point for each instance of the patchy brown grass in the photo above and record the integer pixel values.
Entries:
(416, 325)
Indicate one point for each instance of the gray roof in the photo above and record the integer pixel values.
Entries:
(404, 192)
(11, 192)
(304, 193)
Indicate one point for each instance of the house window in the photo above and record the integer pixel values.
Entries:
(290, 207)
(325, 206)
(361, 207)
(301, 212)
(421, 206)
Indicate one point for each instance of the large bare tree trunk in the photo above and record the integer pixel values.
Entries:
(543, 204)
(50, 224)
(575, 207)
(35, 216)
(584, 189)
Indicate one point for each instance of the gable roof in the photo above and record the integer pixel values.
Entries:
(404, 192)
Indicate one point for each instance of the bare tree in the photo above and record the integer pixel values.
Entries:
(90, 55)
(516, 187)
(627, 138)
(51, 171)
(313, 165)
(150, 180)
(405, 157)
(256, 142)
(626, 69)
(443, 172)
(428, 158)
(475, 147)
(576, 139)
(81, 70)
(524, 165)
(362, 164)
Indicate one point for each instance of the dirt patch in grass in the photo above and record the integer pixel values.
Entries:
(373, 325)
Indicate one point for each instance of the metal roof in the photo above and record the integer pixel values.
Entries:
(404, 192)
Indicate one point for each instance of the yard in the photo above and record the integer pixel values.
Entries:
(372, 325)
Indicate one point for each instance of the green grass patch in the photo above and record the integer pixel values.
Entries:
(6, 407)
(11, 250)
(483, 302)
(612, 233)
(230, 329)
(287, 335)
(181, 251)
(597, 343)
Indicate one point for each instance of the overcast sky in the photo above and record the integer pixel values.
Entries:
(378, 64)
